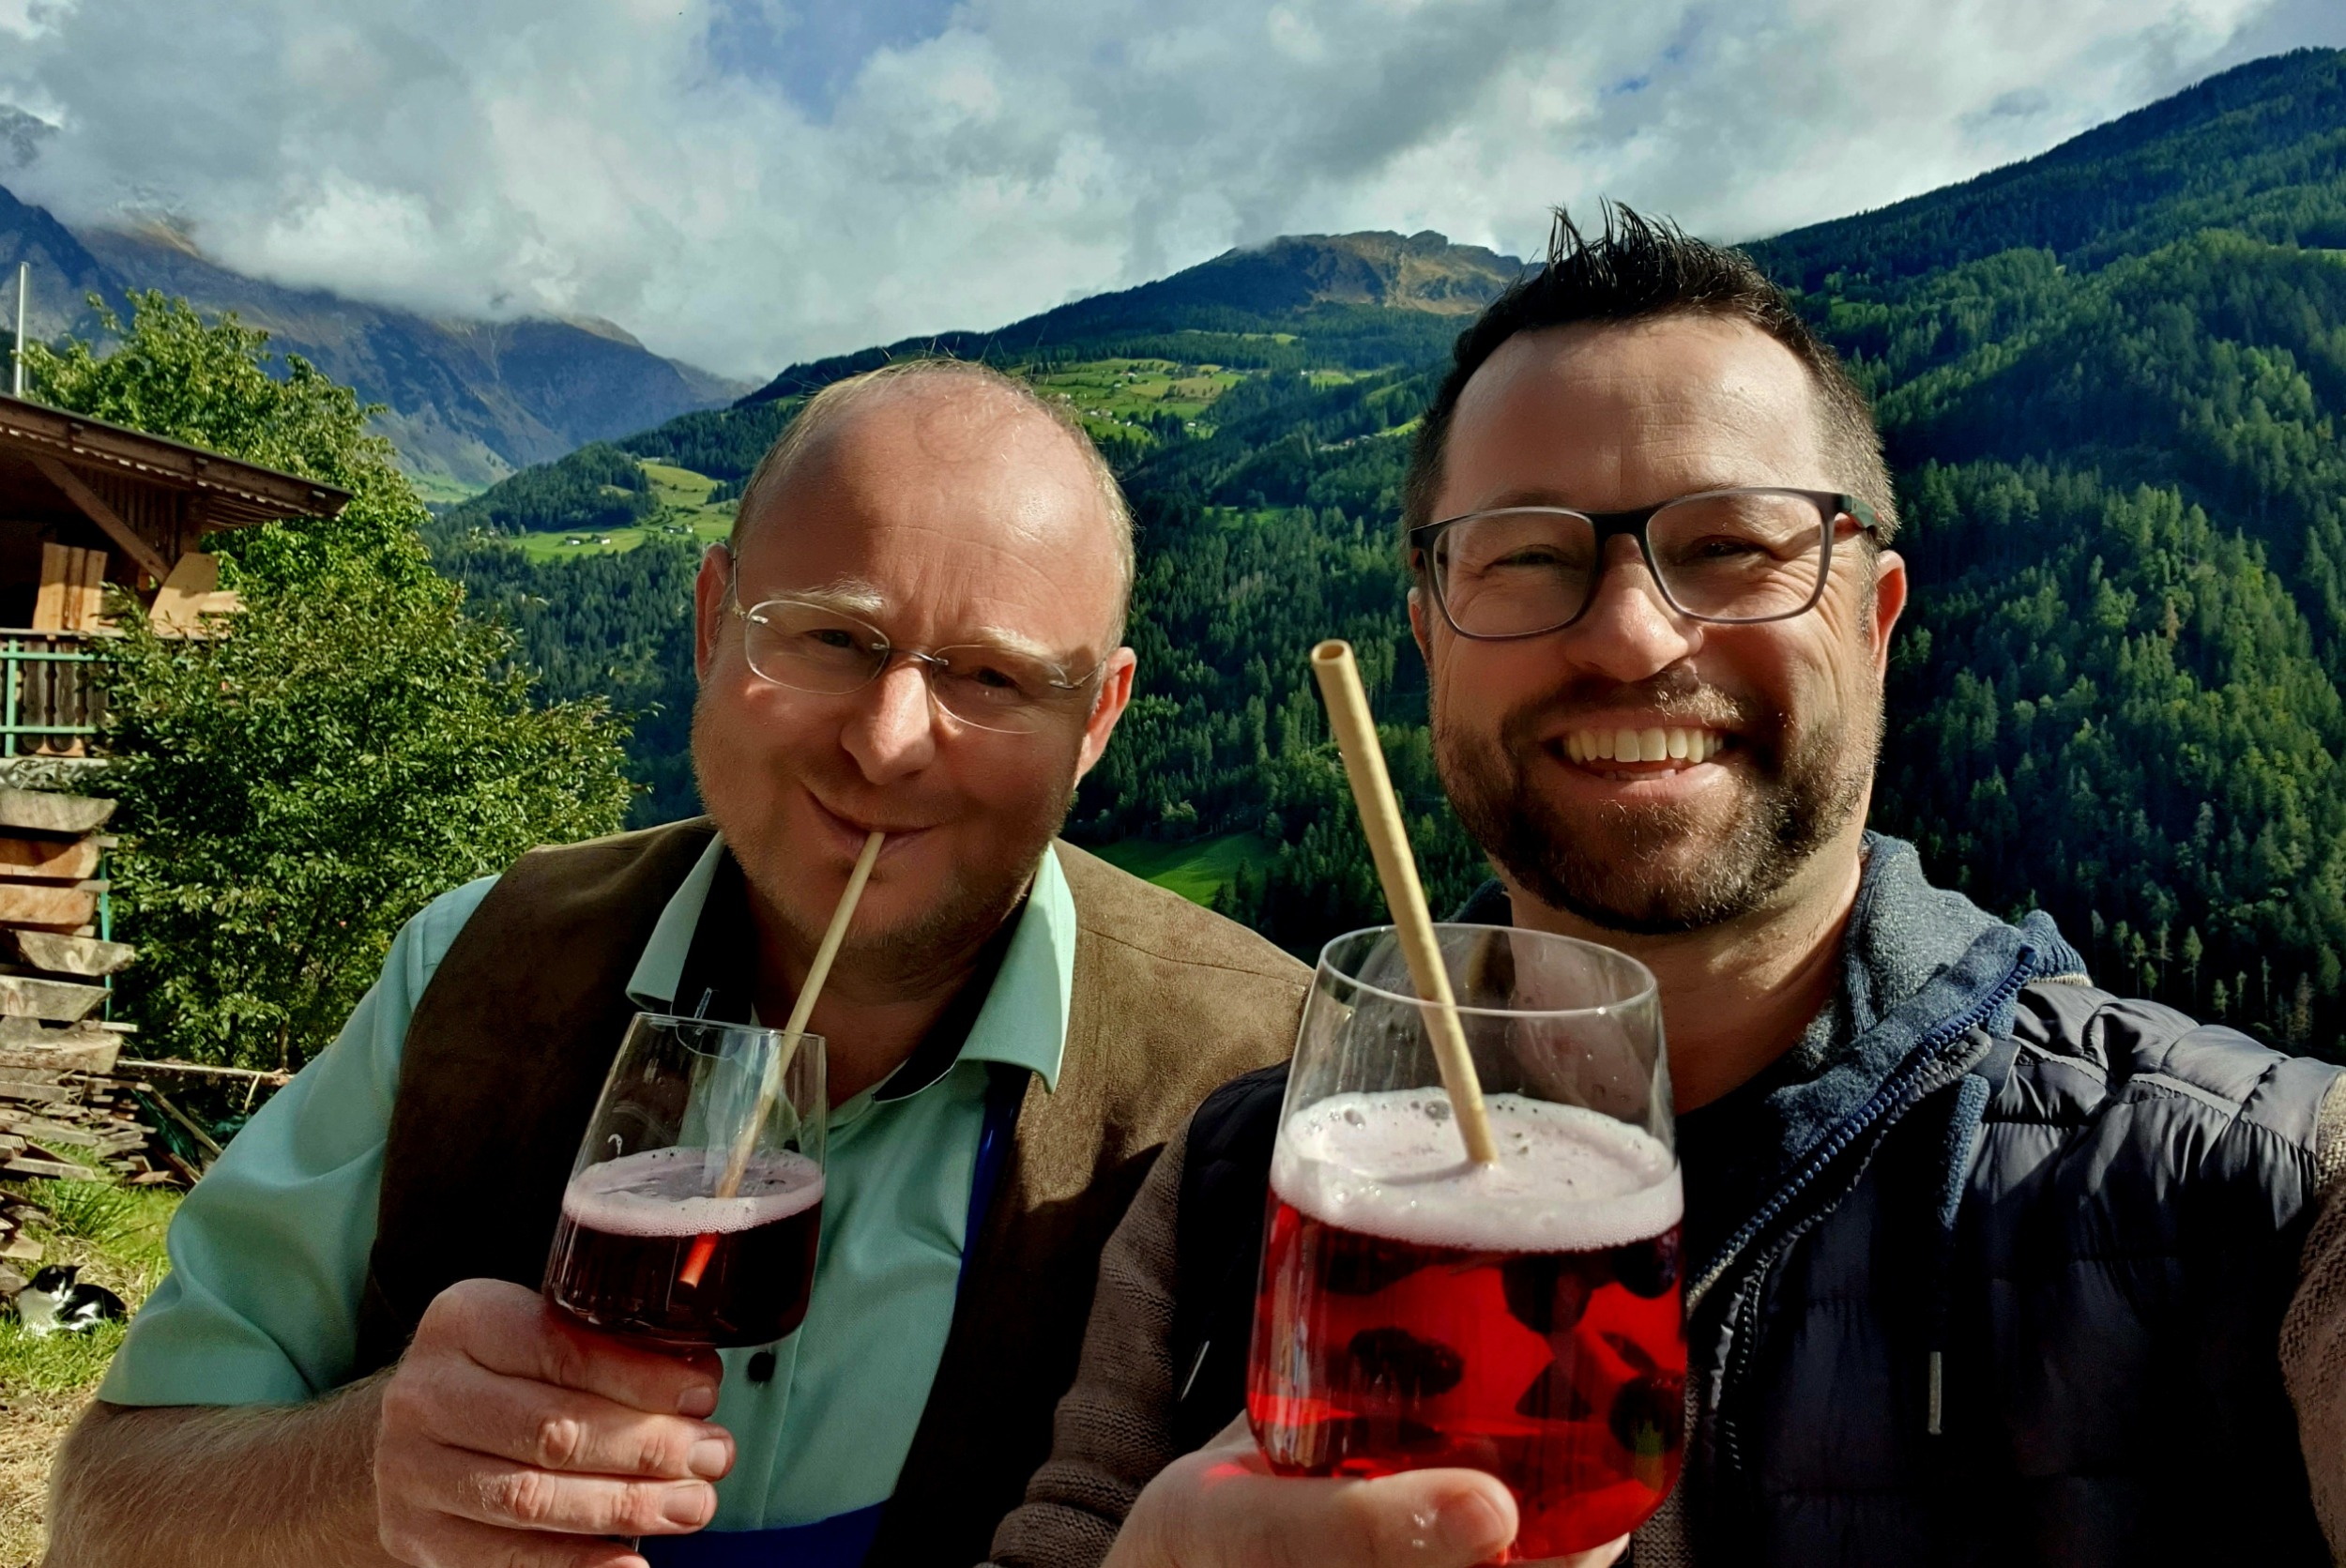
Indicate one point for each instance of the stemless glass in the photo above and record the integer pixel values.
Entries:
(1523, 1317)
(645, 1248)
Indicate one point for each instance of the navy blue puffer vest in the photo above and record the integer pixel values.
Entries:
(2022, 1307)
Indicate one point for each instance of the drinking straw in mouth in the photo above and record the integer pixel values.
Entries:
(1405, 896)
(778, 1063)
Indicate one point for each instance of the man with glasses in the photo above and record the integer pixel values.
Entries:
(1982, 1264)
(915, 629)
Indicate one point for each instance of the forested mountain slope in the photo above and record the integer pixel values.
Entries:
(2126, 516)
(2113, 380)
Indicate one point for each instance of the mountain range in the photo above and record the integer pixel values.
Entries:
(2112, 382)
(467, 401)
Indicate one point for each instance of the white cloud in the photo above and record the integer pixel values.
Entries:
(471, 156)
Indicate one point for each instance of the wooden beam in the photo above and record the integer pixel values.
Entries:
(135, 1065)
(98, 511)
(51, 908)
(37, 810)
(59, 1002)
(49, 860)
(80, 1054)
(70, 955)
(57, 564)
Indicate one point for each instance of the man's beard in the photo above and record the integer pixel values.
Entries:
(1638, 868)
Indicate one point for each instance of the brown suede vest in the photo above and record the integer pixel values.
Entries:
(508, 1048)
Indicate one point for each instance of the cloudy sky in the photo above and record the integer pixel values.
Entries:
(746, 182)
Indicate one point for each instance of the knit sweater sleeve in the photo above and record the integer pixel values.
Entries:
(1113, 1432)
(2313, 1333)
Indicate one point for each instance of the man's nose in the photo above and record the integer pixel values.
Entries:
(1629, 631)
(894, 732)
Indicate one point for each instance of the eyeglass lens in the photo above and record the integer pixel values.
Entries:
(809, 649)
(1734, 556)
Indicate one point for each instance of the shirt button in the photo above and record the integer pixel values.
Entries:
(762, 1367)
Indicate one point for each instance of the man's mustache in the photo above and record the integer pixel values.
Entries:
(1677, 697)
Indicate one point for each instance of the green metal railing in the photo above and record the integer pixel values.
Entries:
(19, 664)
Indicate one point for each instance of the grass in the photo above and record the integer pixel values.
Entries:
(1113, 396)
(685, 512)
(93, 1212)
(117, 1235)
(1197, 870)
(439, 490)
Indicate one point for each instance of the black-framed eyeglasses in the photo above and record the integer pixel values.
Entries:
(1728, 556)
(808, 646)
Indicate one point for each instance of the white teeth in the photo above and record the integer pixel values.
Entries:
(1689, 746)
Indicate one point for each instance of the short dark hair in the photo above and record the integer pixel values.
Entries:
(1642, 268)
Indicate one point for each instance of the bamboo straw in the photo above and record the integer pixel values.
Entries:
(1405, 895)
(778, 1064)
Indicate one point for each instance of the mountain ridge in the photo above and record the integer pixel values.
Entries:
(1253, 288)
(2111, 380)
(2052, 199)
(466, 402)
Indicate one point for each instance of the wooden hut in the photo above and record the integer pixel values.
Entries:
(85, 505)
(91, 514)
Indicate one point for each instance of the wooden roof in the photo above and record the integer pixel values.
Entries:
(235, 495)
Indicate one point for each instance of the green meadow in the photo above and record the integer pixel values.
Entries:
(1195, 869)
(685, 512)
(1110, 396)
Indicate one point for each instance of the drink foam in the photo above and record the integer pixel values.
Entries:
(1390, 1164)
(664, 1192)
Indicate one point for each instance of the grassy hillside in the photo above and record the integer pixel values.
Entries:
(681, 508)
(1199, 871)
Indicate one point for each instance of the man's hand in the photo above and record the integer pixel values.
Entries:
(513, 1436)
(1221, 1507)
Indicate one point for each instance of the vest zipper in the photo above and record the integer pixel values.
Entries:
(1905, 1087)
(1885, 1100)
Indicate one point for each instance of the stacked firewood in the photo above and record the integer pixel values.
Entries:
(58, 1087)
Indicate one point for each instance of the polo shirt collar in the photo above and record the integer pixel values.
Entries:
(1022, 1022)
(660, 966)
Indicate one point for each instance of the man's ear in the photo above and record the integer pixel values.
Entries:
(1889, 602)
(1419, 628)
(708, 606)
(1116, 694)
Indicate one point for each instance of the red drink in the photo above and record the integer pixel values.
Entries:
(629, 1223)
(1522, 1319)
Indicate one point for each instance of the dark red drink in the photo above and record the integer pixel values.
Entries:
(627, 1226)
(1451, 1319)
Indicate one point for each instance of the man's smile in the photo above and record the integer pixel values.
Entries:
(1671, 746)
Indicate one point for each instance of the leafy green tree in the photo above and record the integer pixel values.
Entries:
(352, 745)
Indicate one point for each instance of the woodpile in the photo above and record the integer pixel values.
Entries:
(61, 1088)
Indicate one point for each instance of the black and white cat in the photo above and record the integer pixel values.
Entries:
(54, 1303)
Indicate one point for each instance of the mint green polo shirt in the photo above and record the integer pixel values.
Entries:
(268, 1252)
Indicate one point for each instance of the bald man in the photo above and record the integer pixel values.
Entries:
(916, 628)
